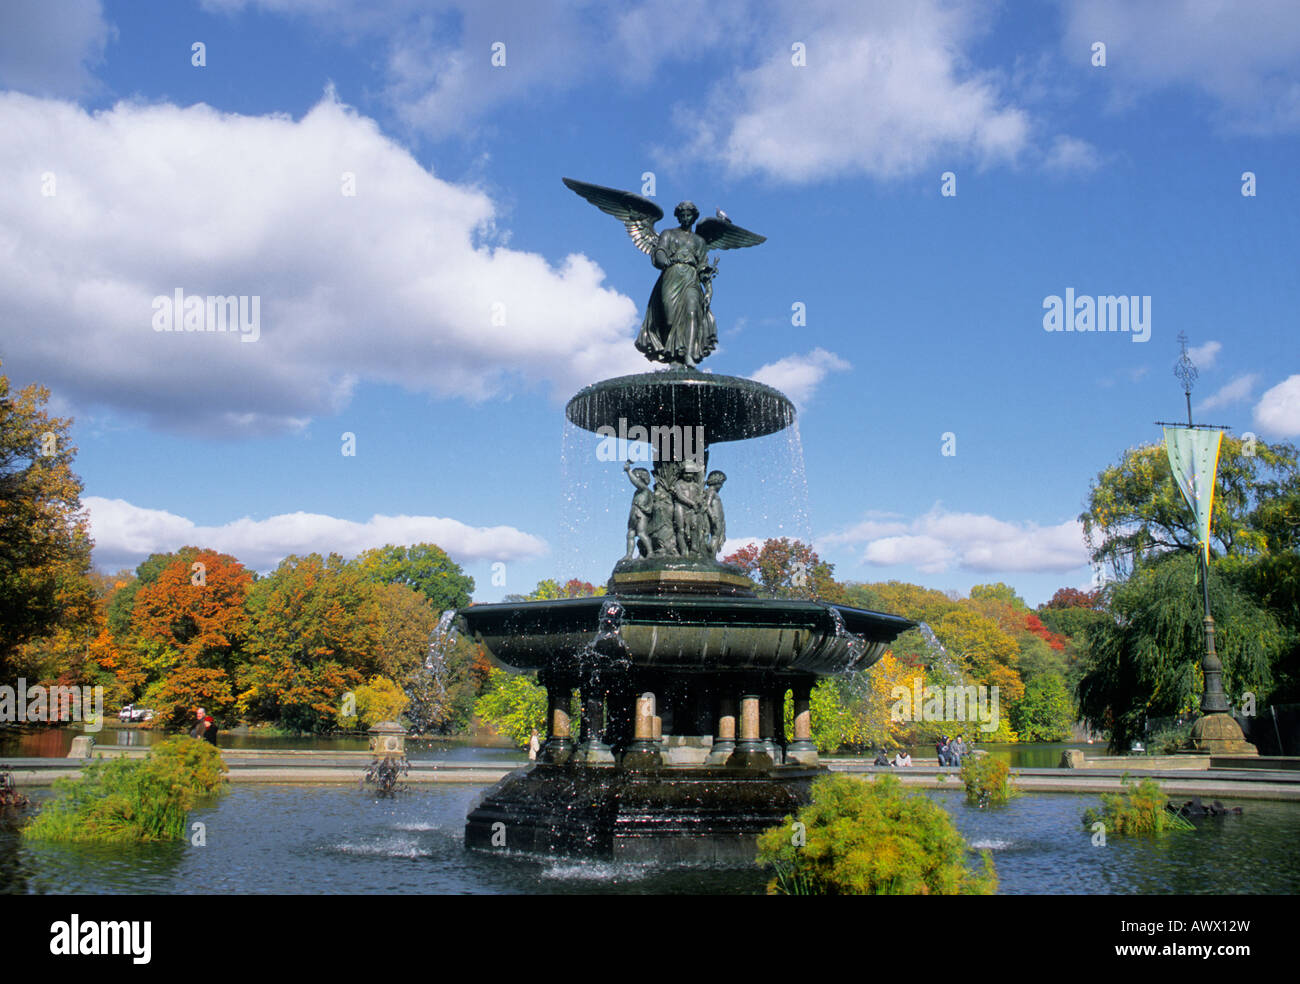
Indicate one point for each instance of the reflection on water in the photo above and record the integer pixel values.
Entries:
(338, 839)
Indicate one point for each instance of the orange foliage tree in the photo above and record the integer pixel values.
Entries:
(190, 625)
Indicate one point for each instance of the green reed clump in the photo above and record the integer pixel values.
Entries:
(871, 838)
(121, 799)
(1140, 809)
(987, 780)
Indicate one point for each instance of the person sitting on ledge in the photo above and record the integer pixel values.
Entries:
(882, 757)
(903, 759)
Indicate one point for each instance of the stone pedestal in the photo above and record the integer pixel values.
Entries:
(83, 746)
(643, 753)
(802, 751)
(1217, 734)
(387, 740)
(749, 753)
(558, 748)
(724, 742)
(1071, 758)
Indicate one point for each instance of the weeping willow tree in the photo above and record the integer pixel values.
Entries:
(1144, 661)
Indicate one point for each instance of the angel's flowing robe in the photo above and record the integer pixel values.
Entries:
(678, 325)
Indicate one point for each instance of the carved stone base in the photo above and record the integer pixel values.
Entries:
(680, 575)
(1218, 734)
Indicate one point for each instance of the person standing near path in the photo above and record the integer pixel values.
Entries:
(534, 746)
(209, 731)
(199, 728)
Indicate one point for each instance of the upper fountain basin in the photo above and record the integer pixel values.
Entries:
(684, 633)
(726, 407)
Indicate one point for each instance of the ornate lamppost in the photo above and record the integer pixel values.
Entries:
(1193, 458)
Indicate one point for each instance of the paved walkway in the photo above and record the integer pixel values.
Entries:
(349, 767)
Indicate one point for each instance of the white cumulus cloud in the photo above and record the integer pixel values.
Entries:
(885, 90)
(1205, 355)
(941, 540)
(400, 283)
(1242, 54)
(1278, 410)
(126, 534)
(797, 376)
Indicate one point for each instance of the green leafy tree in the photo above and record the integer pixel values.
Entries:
(424, 567)
(1136, 511)
(514, 704)
(871, 838)
(999, 592)
(1144, 661)
(900, 598)
(1045, 712)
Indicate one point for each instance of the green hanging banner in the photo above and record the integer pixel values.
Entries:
(1194, 458)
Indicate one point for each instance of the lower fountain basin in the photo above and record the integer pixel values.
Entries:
(685, 633)
(694, 816)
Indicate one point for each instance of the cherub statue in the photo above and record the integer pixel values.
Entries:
(715, 522)
(678, 327)
(638, 519)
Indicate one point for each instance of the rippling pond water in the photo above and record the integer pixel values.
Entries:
(340, 840)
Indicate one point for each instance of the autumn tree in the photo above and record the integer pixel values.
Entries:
(786, 568)
(189, 624)
(316, 632)
(44, 542)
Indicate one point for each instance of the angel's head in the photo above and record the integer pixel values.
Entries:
(686, 213)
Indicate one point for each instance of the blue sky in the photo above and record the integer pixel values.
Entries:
(131, 172)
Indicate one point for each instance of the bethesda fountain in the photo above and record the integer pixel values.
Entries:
(680, 671)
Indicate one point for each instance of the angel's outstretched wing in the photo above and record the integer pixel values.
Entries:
(723, 234)
(638, 214)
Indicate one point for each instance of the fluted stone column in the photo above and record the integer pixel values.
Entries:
(802, 750)
(724, 731)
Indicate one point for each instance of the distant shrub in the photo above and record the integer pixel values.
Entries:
(870, 838)
(123, 799)
(987, 780)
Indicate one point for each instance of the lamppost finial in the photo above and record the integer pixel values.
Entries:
(1186, 372)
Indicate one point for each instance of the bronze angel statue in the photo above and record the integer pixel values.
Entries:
(678, 327)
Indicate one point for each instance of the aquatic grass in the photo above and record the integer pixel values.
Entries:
(121, 800)
(1141, 809)
(988, 781)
